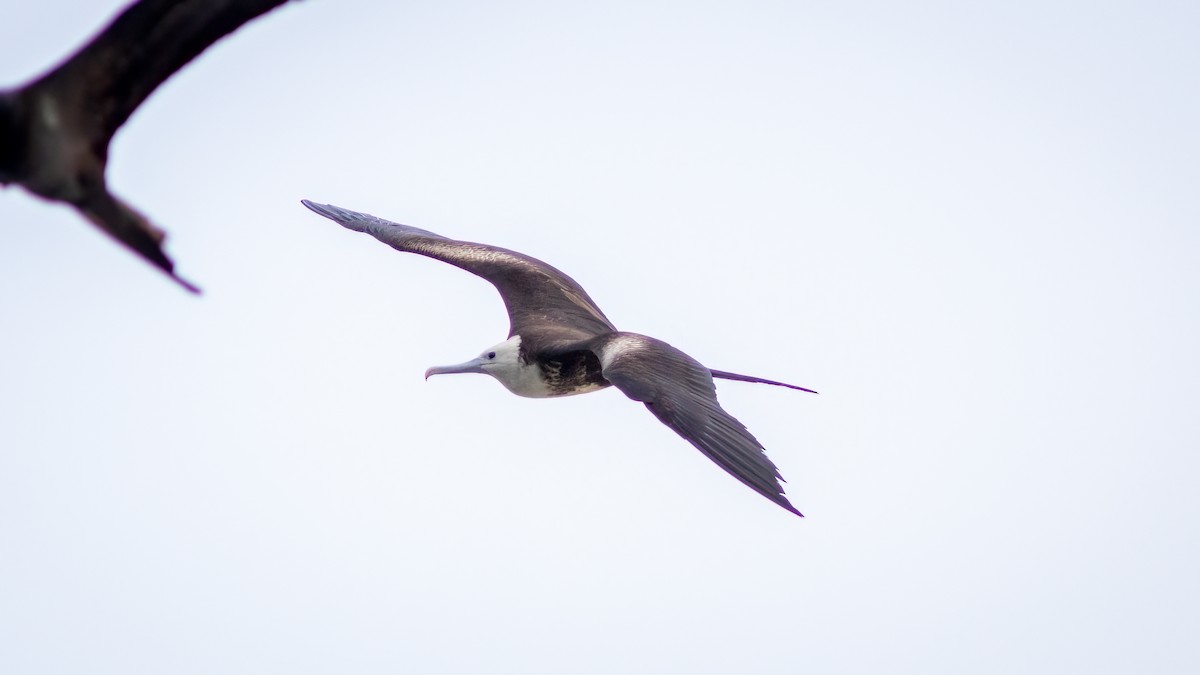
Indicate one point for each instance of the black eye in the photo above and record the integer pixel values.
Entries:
(491, 355)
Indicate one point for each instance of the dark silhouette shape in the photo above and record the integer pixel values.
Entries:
(55, 131)
(560, 343)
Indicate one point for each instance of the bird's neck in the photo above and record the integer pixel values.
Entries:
(537, 375)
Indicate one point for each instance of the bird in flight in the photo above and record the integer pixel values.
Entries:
(560, 343)
(55, 131)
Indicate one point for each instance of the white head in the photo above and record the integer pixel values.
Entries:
(503, 362)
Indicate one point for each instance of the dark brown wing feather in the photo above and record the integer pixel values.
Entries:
(543, 303)
(55, 132)
(681, 394)
(151, 40)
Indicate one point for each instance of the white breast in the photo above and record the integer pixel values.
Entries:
(522, 379)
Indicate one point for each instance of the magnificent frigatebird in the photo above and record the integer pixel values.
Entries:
(55, 131)
(560, 343)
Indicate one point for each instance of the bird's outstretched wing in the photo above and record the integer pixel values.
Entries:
(147, 43)
(534, 293)
(55, 131)
(681, 394)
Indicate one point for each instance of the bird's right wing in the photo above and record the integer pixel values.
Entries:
(681, 394)
(533, 292)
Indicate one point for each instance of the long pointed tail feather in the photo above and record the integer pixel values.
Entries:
(721, 374)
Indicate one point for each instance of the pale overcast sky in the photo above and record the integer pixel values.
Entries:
(971, 226)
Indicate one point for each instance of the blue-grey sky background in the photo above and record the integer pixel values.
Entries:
(972, 227)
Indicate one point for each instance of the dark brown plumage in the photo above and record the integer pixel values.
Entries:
(55, 131)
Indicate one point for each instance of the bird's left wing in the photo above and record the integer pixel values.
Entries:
(533, 291)
(681, 394)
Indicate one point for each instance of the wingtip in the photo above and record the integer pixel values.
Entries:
(787, 506)
(187, 285)
(351, 220)
(158, 259)
(334, 213)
